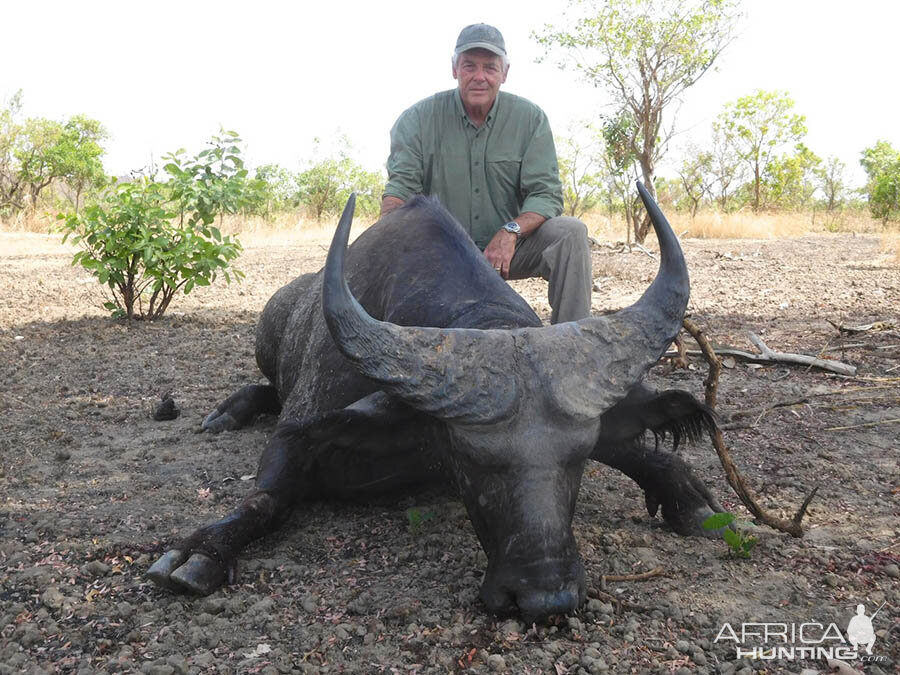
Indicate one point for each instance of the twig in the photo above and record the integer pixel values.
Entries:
(863, 426)
(643, 576)
(793, 526)
(772, 356)
(642, 249)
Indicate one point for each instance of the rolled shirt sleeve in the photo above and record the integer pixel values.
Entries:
(405, 166)
(539, 182)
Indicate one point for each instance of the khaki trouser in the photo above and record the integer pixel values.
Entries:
(559, 253)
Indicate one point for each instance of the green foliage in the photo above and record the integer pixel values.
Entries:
(38, 152)
(213, 182)
(695, 174)
(146, 240)
(644, 53)
(758, 126)
(279, 189)
(790, 180)
(326, 184)
(416, 518)
(882, 165)
(736, 533)
(582, 170)
(831, 182)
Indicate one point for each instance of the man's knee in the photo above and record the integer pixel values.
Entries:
(570, 227)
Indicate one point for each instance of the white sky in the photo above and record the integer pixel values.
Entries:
(162, 75)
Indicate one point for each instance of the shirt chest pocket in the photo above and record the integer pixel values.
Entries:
(503, 174)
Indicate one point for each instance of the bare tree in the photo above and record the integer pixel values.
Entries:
(645, 53)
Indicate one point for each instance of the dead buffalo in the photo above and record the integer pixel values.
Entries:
(407, 360)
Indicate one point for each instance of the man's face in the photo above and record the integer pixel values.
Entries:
(480, 74)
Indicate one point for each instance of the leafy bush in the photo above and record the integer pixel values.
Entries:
(326, 184)
(736, 533)
(146, 240)
(882, 165)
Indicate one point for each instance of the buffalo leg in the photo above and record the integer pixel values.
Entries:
(667, 481)
(372, 447)
(239, 410)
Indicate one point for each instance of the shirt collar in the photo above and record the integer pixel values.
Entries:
(492, 113)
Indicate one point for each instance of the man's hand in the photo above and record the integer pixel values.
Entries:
(500, 250)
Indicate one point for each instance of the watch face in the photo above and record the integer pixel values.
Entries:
(512, 227)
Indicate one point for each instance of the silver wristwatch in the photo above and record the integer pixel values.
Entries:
(514, 228)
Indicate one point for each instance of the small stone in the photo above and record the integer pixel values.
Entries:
(202, 659)
(683, 646)
(310, 604)
(833, 580)
(496, 663)
(213, 605)
(512, 626)
(96, 568)
(62, 455)
(52, 598)
(892, 571)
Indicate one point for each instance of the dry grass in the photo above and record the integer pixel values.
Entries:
(890, 244)
(292, 229)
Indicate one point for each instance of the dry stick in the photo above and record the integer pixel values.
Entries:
(793, 526)
(772, 356)
(655, 572)
(862, 426)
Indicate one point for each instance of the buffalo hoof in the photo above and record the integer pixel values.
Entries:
(217, 422)
(198, 574)
(686, 502)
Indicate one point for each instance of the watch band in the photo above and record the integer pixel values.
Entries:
(514, 228)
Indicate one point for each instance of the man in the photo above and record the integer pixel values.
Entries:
(489, 157)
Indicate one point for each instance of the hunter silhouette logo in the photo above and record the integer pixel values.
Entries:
(860, 631)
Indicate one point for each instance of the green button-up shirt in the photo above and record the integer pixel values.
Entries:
(485, 176)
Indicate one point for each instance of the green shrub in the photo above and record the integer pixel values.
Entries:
(146, 240)
(736, 535)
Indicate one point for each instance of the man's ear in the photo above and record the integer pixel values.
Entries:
(454, 72)
(505, 73)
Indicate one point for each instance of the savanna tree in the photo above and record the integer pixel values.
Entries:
(326, 184)
(881, 163)
(644, 53)
(581, 169)
(759, 127)
(36, 153)
(726, 169)
(695, 174)
(791, 180)
(832, 182)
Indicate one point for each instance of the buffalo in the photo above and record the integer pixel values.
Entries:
(408, 361)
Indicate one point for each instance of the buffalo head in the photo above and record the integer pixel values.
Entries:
(523, 410)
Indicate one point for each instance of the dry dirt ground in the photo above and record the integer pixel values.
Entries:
(92, 490)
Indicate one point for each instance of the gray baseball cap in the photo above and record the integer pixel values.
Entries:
(480, 36)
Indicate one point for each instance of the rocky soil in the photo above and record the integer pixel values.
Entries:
(92, 489)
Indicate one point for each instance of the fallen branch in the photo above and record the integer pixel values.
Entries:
(875, 325)
(792, 526)
(643, 576)
(772, 356)
(863, 426)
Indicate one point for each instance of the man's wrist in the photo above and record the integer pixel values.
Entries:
(513, 228)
